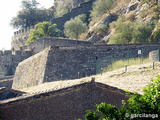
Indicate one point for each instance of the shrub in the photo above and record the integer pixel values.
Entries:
(126, 32)
(143, 13)
(75, 27)
(101, 29)
(155, 8)
(101, 7)
(131, 16)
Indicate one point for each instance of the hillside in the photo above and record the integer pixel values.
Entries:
(103, 28)
(136, 78)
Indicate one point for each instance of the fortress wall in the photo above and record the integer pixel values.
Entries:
(42, 43)
(74, 62)
(9, 61)
(65, 104)
(69, 64)
(30, 72)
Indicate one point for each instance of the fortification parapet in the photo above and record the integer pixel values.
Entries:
(9, 61)
(1, 52)
(18, 52)
(22, 32)
(73, 62)
(7, 52)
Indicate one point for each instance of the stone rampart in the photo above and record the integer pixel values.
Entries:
(19, 38)
(31, 70)
(42, 43)
(64, 63)
(9, 61)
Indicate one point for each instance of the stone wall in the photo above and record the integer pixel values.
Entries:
(6, 81)
(74, 62)
(42, 43)
(64, 104)
(31, 71)
(9, 61)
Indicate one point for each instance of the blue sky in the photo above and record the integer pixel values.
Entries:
(9, 9)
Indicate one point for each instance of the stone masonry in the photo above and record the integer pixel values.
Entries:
(62, 63)
(63, 104)
(9, 61)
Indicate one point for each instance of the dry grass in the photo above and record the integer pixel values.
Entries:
(136, 78)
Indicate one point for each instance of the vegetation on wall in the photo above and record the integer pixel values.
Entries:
(75, 27)
(30, 14)
(44, 29)
(138, 107)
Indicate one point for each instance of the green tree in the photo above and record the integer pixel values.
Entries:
(148, 103)
(75, 27)
(126, 32)
(101, 7)
(44, 29)
(30, 14)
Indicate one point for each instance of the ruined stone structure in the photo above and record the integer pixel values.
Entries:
(64, 104)
(62, 63)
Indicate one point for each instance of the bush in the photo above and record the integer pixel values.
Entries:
(101, 7)
(75, 27)
(126, 32)
(101, 29)
(131, 16)
(143, 13)
(146, 104)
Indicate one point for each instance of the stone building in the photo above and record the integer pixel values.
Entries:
(63, 104)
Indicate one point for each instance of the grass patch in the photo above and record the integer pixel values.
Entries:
(122, 63)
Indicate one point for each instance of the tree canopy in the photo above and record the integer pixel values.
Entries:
(30, 14)
(75, 27)
(44, 29)
(126, 32)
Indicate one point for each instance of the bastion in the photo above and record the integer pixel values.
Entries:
(63, 63)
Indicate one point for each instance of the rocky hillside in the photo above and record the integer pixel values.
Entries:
(66, 5)
(102, 29)
(132, 10)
